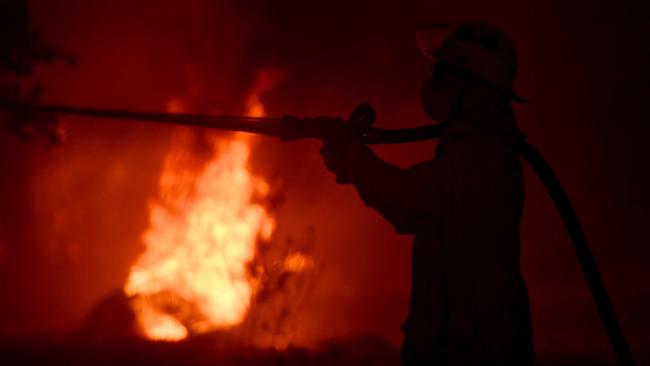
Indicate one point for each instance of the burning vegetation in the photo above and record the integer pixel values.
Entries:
(193, 276)
(209, 264)
(201, 269)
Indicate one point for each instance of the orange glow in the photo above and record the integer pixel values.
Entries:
(266, 80)
(298, 262)
(157, 325)
(175, 106)
(202, 234)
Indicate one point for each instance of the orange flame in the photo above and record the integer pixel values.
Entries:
(266, 79)
(202, 235)
(203, 230)
(298, 262)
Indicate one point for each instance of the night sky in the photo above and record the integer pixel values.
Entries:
(71, 215)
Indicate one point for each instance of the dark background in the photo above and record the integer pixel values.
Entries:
(71, 215)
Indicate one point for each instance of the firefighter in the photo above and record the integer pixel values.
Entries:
(468, 302)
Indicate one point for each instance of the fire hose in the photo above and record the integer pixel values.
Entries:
(361, 120)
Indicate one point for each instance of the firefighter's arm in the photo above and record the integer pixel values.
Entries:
(399, 195)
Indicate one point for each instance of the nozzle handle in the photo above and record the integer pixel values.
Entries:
(362, 117)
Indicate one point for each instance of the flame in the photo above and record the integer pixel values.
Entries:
(156, 324)
(266, 79)
(194, 275)
(298, 262)
(202, 234)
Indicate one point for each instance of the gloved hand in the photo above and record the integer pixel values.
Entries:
(338, 137)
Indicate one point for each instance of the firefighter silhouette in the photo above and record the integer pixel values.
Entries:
(468, 304)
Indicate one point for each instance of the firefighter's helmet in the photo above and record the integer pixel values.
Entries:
(476, 47)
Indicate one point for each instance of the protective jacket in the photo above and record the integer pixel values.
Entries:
(468, 304)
